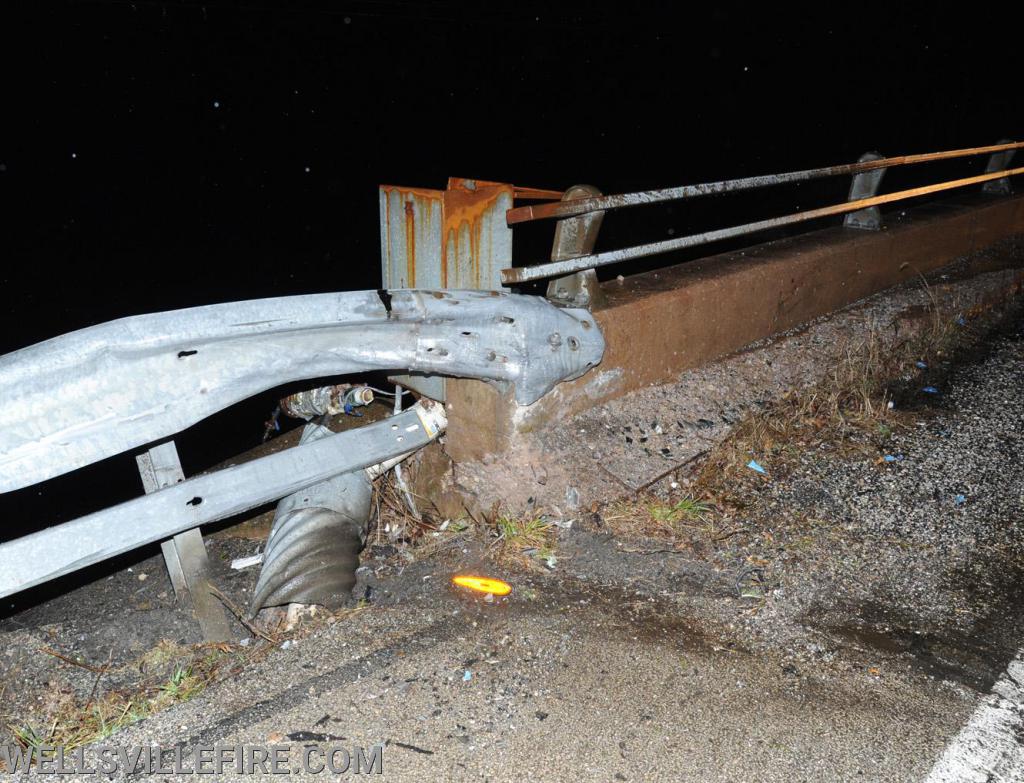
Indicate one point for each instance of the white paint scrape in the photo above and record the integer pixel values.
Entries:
(990, 748)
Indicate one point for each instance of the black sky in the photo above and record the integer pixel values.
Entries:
(164, 154)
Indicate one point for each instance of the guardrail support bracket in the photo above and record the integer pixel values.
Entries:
(575, 237)
(999, 161)
(865, 185)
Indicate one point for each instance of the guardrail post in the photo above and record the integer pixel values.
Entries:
(185, 554)
(865, 185)
(453, 238)
(575, 237)
(998, 161)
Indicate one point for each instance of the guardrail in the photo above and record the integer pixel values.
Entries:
(863, 203)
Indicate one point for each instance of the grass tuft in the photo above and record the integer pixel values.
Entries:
(652, 517)
(527, 542)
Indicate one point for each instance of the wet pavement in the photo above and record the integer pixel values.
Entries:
(567, 682)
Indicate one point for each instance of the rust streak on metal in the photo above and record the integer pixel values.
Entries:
(466, 205)
(417, 206)
(561, 209)
(410, 243)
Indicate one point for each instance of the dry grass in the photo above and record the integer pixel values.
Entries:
(656, 518)
(848, 409)
(394, 523)
(168, 674)
(163, 676)
(528, 542)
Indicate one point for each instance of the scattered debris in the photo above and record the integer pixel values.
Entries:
(241, 563)
(326, 400)
(930, 390)
(313, 736)
(413, 748)
(755, 465)
(750, 582)
(295, 613)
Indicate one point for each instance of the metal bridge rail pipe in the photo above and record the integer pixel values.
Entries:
(519, 275)
(581, 206)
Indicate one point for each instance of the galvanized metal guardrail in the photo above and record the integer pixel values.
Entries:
(82, 397)
(867, 174)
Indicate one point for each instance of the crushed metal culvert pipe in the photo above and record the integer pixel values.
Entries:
(88, 395)
(313, 549)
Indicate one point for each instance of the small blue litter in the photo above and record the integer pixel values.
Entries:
(921, 365)
(889, 458)
(960, 320)
(930, 390)
(755, 465)
(960, 500)
(467, 676)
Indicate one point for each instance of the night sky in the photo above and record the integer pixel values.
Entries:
(162, 155)
(156, 155)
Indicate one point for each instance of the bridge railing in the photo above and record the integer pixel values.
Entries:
(861, 209)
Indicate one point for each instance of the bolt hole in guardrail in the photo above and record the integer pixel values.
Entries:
(996, 173)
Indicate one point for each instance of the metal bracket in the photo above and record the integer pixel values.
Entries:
(865, 185)
(575, 237)
(999, 161)
(185, 554)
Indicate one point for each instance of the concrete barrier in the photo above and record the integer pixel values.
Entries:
(662, 322)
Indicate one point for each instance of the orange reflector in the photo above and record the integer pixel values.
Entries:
(483, 584)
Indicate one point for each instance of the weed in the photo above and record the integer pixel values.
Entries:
(529, 542)
(654, 517)
(685, 510)
(72, 723)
